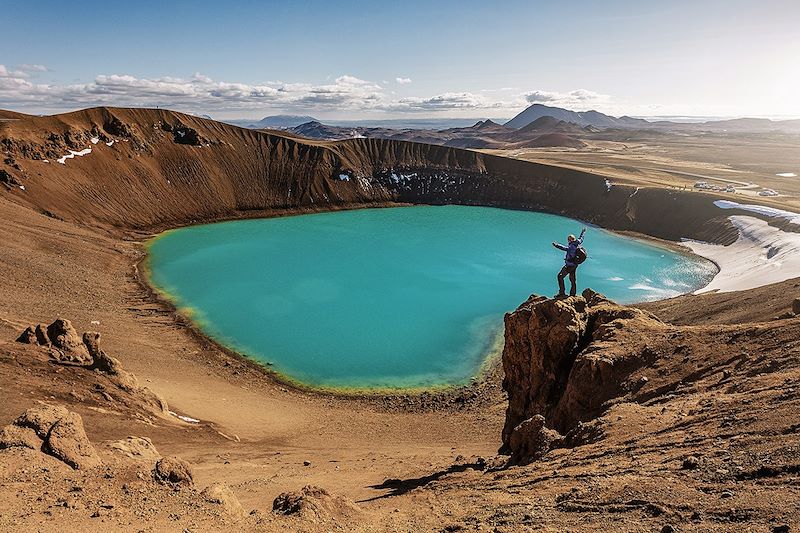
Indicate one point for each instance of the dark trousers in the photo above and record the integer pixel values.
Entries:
(567, 270)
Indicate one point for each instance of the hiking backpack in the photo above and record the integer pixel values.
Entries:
(580, 255)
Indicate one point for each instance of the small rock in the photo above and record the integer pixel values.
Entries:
(782, 528)
(726, 494)
(668, 528)
(690, 463)
(796, 308)
(306, 463)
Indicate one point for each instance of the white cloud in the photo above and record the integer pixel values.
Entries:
(25, 67)
(200, 93)
(577, 98)
(5, 73)
(446, 101)
(403, 81)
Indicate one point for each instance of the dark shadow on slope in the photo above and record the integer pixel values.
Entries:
(398, 487)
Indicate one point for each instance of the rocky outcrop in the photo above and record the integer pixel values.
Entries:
(563, 360)
(67, 347)
(313, 503)
(55, 431)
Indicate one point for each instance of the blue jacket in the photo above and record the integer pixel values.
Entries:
(571, 249)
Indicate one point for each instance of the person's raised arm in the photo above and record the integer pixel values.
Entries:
(580, 239)
(560, 246)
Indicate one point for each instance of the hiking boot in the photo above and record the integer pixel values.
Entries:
(560, 295)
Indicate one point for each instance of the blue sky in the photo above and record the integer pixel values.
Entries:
(359, 59)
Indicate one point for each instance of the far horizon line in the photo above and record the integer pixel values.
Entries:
(420, 118)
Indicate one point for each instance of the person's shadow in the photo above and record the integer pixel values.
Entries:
(401, 486)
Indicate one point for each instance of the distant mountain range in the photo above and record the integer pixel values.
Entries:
(595, 119)
(581, 118)
(280, 122)
(482, 134)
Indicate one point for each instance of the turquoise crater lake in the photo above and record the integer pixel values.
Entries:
(391, 298)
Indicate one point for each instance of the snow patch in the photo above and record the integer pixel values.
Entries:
(761, 255)
(22, 187)
(184, 418)
(110, 143)
(344, 177)
(95, 140)
(794, 218)
(787, 174)
(72, 154)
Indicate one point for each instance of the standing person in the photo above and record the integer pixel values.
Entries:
(571, 262)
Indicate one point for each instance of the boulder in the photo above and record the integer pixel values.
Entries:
(220, 494)
(173, 471)
(531, 440)
(55, 431)
(68, 442)
(796, 306)
(136, 448)
(314, 503)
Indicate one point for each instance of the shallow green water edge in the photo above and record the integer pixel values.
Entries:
(195, 321)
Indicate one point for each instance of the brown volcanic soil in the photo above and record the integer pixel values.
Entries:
(726, 394)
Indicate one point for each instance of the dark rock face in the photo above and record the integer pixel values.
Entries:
(173, 471)
(117, 128)
(55, 431)
(8, 180)
(563, 359)
(186, 135)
